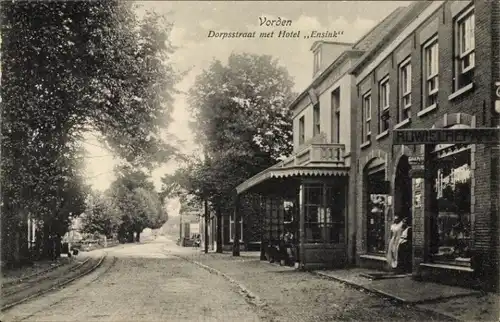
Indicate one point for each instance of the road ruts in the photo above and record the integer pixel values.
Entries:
(144, 284)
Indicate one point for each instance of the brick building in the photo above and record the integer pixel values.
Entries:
(309, 194)
(435, 69)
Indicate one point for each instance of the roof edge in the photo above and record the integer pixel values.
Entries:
(374, 50)
(315, 82)
(377, 25)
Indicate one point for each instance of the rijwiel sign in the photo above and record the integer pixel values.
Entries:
(446, 136)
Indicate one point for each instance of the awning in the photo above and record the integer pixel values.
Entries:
(277, 172)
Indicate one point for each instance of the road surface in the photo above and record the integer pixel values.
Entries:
(140, 283)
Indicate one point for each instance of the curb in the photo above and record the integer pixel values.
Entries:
(56, 286)
(20, 280)
(386, 295)
(251, 297)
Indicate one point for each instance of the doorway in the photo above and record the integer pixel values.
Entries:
(403, 195)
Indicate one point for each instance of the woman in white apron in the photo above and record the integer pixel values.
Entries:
(392, 252)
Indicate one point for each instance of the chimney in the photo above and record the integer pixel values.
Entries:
(325, 53)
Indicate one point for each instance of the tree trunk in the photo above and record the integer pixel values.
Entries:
(138, 237)
(237, 226)
(218, 214)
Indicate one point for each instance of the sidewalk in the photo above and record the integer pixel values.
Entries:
(456, 302)
(290, 295)
(441, 301)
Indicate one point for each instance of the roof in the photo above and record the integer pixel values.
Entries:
(357, 49)
(378, 31)
(288, 172)
(316, 43)
(404, 18)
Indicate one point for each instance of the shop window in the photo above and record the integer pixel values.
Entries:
(290, 218)
(376, 208)
(452, 220)
(324, 217)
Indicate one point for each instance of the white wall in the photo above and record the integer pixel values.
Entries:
(346, 84)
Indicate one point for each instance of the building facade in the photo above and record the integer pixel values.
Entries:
(435, 70)
(310, 194)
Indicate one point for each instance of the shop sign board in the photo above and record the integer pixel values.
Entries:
(416, 160)
(446, 136)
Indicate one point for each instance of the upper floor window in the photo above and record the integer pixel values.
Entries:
(316, 119)
(384, 96)
(404, 111)
(366, 117)
(317, 60)
(430, 72)
(302, 130)
(465, 45)
(336, 116)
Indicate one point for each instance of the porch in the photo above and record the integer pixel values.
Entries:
(303, 207)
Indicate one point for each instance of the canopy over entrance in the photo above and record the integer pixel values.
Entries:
(275, 175)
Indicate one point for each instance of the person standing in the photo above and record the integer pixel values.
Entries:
(392, 251)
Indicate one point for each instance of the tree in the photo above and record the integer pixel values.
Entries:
(69, 68)
(242, 120)
(101, 216)
(139, 205)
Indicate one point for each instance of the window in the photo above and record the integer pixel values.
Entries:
(430, 72)
(451, 223)
(324, 217)
(232, 232)
(384, 96)
(290, 218)
(375, 226)
(404, 90)
(317, 60)
(316, 119)
(336, 116)
(301, 130)
(366, 117)
(465, 45)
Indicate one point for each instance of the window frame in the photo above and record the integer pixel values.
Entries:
(231, 223)
(384, 94)
(302, 129)
(317, 60)
(405, 90)
(460, 55)
(429, 77)
(438, 188)
(366, 117)
(335, 107)
(316, 119)
(324, 220)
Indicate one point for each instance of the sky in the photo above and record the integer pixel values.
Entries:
(193, 21)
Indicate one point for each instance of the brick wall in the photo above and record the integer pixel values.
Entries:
(476, 103)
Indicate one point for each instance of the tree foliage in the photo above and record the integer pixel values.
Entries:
(242, 120)
(69, 67)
